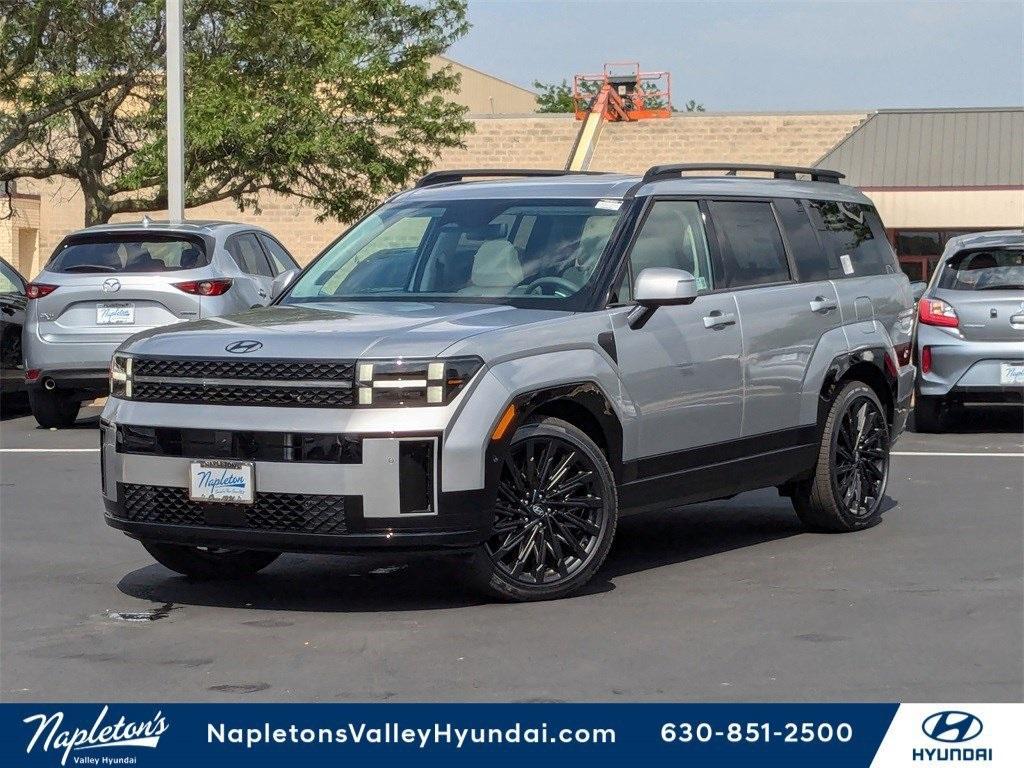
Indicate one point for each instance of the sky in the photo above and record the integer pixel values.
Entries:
(766, 56)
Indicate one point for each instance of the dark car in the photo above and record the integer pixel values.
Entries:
(12, 319)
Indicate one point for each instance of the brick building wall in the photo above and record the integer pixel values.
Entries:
(515, 141)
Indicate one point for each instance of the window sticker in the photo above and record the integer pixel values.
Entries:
(702, 283)
(847, 263)
(608, 205)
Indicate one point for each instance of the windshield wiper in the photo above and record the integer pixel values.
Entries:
(90, 268)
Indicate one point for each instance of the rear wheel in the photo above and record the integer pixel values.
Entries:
(849, 480)
(209, 563)
(53, 408)
(929, 413)
(554, 518)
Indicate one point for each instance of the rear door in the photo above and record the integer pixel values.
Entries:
(782, 319)
(111, 286)
(257, 274)
(985, 286)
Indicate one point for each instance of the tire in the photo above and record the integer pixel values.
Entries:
(209, 564)
(848, 486)
(929, 413)
(550, 535)
(53, 408)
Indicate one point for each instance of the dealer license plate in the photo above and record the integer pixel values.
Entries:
(231, 482)
(1011, 374)
(115, 313)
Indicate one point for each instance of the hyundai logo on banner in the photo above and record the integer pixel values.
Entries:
(952, 727)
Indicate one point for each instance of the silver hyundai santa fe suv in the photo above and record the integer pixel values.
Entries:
(104, 283)
(503, 367)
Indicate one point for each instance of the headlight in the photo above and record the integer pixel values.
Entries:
(121, 377)
(409, 383)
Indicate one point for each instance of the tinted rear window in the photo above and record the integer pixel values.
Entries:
(989, 269)
(853, 238)
(149, 253)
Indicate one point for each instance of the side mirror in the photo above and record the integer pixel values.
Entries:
(917, 288)
(281, 282)
(659, 287)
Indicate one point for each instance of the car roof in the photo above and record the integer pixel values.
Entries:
(620, 186)
(985, 239)
(194, 227)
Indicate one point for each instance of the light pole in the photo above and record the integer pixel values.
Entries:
(175, 115)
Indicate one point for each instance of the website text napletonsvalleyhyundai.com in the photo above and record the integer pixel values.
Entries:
(395, 733)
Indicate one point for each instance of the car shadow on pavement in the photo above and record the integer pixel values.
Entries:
(992, 418)
(410, 583)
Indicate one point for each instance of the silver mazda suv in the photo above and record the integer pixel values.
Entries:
(103, 284)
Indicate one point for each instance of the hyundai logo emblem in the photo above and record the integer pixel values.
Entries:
(246, 345)
(952, 726)
(111, 285)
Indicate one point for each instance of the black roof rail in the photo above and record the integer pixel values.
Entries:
(658, 172)
(449, 177)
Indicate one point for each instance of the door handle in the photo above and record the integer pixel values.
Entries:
(262, 293)
(719, 319)
(822, 305)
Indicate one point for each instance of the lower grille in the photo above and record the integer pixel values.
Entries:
(280, 512)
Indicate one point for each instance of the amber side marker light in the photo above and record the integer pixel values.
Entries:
(503, 423)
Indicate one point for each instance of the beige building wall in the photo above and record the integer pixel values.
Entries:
(19, 232)
(485, 94)
(795, 139)
(949, 209)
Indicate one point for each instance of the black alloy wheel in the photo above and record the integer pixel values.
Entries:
(554, 516)
(861, 463)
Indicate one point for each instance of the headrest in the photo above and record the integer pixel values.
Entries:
(189, 258)
(496, 265)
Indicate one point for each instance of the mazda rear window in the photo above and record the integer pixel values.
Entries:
(984, 269)
(132, 253)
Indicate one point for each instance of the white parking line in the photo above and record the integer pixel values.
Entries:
(49, 450)
(942, 453)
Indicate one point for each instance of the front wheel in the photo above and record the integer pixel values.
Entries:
(849, 480)
(204, 563)
(554, 518)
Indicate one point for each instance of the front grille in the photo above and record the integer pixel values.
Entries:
(278, 512)
(240, 394)
(281, 383)
(277, 370)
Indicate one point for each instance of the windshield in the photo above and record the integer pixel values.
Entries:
(132, 253)
(988, 269)
(466, 250)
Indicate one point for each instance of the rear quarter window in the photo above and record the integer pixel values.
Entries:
(128, 253)
(853, 239)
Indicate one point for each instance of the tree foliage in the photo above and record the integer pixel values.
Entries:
(331, 101)
(554, 97)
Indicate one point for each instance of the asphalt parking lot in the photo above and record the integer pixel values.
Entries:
(723, 601)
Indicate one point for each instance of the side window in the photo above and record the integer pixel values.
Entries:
(280, 259)
(671, 235)
(752, 249)
(853, 238)
(9, 280)
(247, 252)
(813, 261)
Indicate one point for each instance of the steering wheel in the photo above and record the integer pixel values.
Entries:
(552, 281)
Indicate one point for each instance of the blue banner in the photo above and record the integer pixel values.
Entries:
(442, 734)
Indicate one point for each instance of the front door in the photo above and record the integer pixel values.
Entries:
(683, 367)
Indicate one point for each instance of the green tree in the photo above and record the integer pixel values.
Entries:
(554, 97)
(331, 101)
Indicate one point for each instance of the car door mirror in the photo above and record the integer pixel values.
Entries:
(917, 288)
(659, 287)
(282, 281)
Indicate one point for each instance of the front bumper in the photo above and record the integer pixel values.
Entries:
(965, 367)
(382, 490)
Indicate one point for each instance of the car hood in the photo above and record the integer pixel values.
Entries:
(336, 330)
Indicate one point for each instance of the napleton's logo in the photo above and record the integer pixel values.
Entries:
(52, 735)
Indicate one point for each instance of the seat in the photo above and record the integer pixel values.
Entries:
(143, 261)
(496, 269)
(189, 258)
